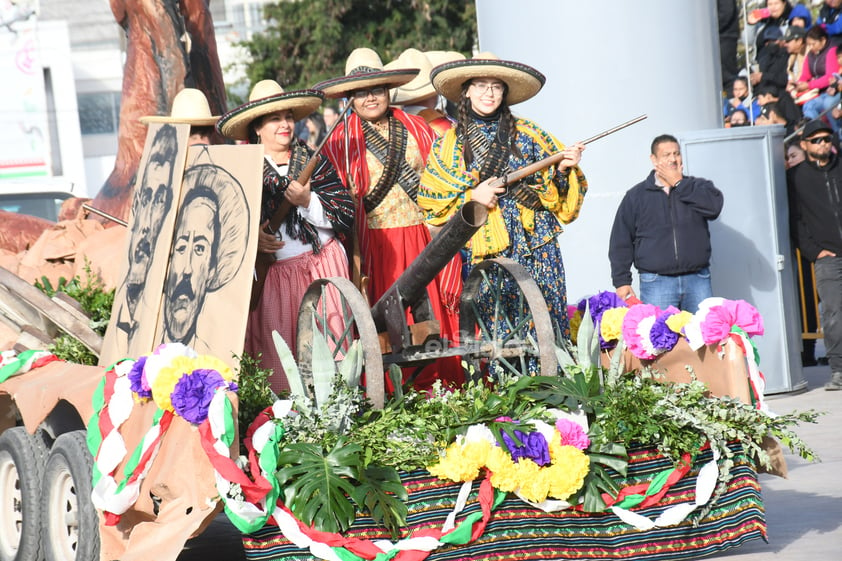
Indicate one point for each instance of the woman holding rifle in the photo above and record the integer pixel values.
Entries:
(524, 218)
(318, 210)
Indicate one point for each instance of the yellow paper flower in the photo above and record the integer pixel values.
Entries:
(208, 362)
(462, 463)
(676, 322)
(534, 483)
(167, 378)
(611, 325)
(567, 473)
(575, 322)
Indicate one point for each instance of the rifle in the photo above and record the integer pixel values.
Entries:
(264, 260)
(525, 171)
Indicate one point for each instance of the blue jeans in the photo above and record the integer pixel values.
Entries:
(813, 108)
(829, 286)
(682, 291)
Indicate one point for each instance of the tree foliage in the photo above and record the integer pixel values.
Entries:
(307, 41)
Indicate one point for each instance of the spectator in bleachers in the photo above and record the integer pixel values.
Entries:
(786, 106)
(772, 58)
(740, 99)
(819, 68)
(796, 46)
(829, 18)
(737, 118)
(775, 14)
(800, 16)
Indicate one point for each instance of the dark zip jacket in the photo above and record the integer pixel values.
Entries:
(816, 206)
(660, 233)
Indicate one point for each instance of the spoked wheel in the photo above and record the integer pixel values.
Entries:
(334, 309)
(506, 327)
(71, 527)
(21, 470)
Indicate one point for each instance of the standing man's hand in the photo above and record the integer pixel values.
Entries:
(669, 174)
(625, 292)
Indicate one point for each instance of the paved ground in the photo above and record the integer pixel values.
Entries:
(803, 513)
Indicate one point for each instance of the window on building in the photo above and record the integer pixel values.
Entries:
(99, 112)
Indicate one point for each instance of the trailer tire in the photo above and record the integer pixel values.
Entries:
(21, 470)
(70, 522)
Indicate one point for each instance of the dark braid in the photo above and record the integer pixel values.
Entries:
(508, 126)
(463, 118)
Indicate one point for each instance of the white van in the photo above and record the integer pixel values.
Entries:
(42, 198)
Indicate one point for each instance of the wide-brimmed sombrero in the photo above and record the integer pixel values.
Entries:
(364, 70)
(189, 106)
(267, 96)
(419, 87)
(523, 81)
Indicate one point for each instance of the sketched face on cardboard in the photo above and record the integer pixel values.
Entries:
(152, 201)
(192, 264)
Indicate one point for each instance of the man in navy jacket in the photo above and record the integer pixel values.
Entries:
(661, 227)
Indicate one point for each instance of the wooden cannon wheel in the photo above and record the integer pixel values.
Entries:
(22, 304)
(340, 331)
(518, 335)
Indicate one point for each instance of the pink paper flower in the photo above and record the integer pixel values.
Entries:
(572, 434)
(631, 335)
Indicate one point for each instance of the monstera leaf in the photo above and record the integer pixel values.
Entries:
(381, 494)
(317, 486)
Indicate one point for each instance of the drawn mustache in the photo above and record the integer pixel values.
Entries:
(183, 288)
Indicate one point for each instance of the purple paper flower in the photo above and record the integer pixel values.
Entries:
(193, 393)
(137, 379)
(663, 338)
(534, 447)
(572, 434)
(597, 304)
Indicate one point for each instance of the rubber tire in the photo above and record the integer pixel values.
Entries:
(20, 459)
(67, 487)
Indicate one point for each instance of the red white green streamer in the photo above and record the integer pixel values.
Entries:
(14, 364)
(113, 403)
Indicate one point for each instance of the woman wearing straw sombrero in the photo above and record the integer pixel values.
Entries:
(305, 244)
(380, 153)
(524, 219)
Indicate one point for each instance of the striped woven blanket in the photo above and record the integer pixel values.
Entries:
(518, 531)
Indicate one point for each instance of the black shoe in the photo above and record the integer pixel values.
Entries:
(809, 361)
(822, 361)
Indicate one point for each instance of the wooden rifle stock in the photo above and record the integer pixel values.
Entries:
(264, 260)
(528, 170)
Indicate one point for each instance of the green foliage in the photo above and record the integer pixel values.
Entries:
(94, 300)
(254, 393)
(306, 42)
(316, 485)
(381, 493)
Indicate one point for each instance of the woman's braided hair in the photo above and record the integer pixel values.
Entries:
(506, 129)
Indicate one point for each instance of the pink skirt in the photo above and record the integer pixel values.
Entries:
(286, 283)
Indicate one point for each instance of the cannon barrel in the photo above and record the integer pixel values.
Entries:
(412, 284)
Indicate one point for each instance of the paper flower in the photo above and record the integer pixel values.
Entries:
(599, 303)
(139, 383)
(634, 335)
(676, 322)
(572, 434)
(166, 379)
(575, 323)
(193, 392)
(534, 447)
(611, 325)
(663, 338)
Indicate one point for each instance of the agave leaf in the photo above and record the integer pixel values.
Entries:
(613, 373)
(316, 485)
(351, 366)
(396, 375)
(565, 360)
(584, 340)
(296, 384)
(324, 369)
(382, 495)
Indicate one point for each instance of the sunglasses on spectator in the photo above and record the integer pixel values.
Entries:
(819, 139)
(373, 92)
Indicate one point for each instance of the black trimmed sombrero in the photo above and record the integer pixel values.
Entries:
(364, 70)
(189, 106)
(267, 96)
(522, 80)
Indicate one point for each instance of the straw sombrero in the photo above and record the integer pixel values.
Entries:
(419, 87)
(364, 70)
(189, 106)
(267, 96)
(523, 81)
